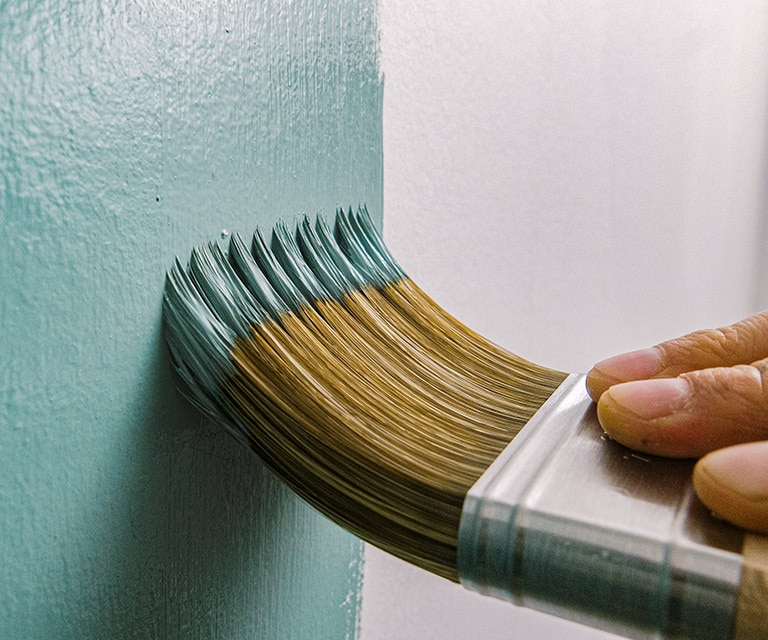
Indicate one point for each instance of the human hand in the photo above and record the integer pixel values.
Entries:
(704, 394)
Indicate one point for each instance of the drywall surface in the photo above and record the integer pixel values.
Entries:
(129, 132)
(572, 179)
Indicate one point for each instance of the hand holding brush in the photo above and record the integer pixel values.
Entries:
(704, 394)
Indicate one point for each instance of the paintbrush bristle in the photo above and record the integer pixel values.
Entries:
(368, 399)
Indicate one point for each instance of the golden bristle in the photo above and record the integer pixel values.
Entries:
(373, 404)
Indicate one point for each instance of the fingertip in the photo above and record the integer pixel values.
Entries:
(634, 365)
(733, 483)
(597, 383)
(643, 415)
(650, 399)
(624, 429)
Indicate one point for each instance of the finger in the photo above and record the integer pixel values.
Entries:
(740, 343)
(635, 365)
(733, 483)
(690, 415)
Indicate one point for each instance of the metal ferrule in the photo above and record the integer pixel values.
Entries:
(571, 523)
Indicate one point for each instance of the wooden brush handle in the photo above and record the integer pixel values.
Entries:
(752, 608)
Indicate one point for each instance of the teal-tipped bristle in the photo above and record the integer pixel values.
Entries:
(199, 341)
(354, 277)
(272, 269)
(350, 245)
(254, 279)
(287, 252)
(330, 276)
(218, 297)
(222, 290)
(373, 243)
(358, 238)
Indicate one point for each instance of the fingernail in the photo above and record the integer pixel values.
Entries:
(649, 399)
(741, 468)
(635, 365)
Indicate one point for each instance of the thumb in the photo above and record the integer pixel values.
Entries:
(733, 483)
(690, 415)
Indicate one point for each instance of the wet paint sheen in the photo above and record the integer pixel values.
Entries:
(131, 131)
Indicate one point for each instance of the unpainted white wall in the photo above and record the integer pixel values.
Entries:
(571, 179)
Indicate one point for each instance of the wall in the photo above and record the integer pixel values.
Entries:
(572, 179)
(130, 132)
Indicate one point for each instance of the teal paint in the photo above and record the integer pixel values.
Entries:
(129, 133)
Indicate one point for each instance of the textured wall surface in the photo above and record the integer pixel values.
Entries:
(571, 179)
(130, 131)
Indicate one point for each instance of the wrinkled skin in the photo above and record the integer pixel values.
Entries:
(703, 395)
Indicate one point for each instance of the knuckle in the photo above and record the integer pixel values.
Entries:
(727, 345)
(722, 342)
(737, 384)
(756, 325)
(710, 382)
(731, 402)
(700, 346)
(761, 366)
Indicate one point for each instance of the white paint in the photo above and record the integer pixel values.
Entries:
(572, 180)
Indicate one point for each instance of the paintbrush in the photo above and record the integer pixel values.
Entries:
(425, 439)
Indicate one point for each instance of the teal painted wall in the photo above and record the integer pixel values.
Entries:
(130, 131)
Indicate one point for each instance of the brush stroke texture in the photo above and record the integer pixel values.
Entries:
(130, 132)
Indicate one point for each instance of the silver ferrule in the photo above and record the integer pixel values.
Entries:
(571, 523)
